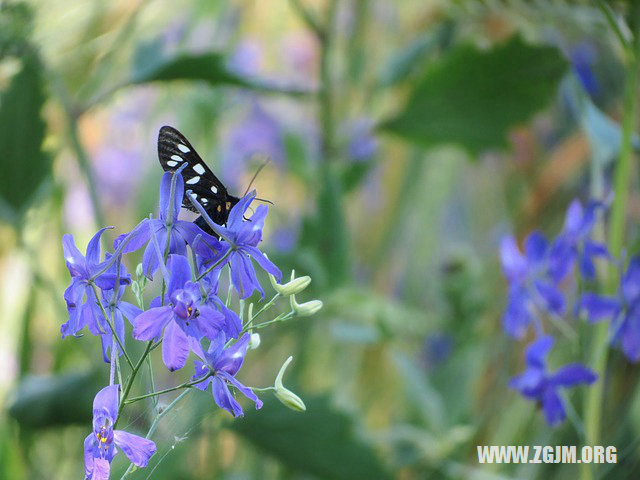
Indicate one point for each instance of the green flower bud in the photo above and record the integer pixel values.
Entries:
(305, 309)
(295, 285)
(254, 341)
(286, 396)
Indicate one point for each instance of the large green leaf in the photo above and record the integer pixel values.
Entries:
(472, 97)
(150, 66)
(24, 164)
(322, 441)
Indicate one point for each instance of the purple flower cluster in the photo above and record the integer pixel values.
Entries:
(187, 313)
(538, 281)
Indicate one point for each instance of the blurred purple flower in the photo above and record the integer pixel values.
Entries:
(246, 59)
(284, 239)
(535, 383)
(182, 319)
(583, 57)
(623, 310)
(258, 133)
(575, 241)
(533, 281)
(362, 145)
(100, 445)
(437, 348)
(242, 237)
(224, 363)
(80, 298)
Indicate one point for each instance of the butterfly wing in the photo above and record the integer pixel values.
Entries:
(174, 150)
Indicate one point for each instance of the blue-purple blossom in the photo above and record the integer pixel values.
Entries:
(209, 289)
(583, 58)
(184, 317)
(575, 244)
(537, 384)
(623, 310)
(80, 298)
(179, 232)
(533, 281)
(362, 145)
(223, 364)
(100, 445)
(242, 237)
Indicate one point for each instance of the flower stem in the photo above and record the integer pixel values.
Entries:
(218, 262)
(131, 378)
(595, 395)
(167, 390)
(154, 425)
(113, 330)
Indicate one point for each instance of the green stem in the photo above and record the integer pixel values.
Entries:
(280, 318)
(154, 425)
(216, 264)
(599, 347)
(264, 307)
(113, 330)
(172, 389)
(132, 376)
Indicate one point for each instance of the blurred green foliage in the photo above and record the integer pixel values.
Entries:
(406, 369)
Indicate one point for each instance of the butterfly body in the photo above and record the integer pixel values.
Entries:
(173, 151)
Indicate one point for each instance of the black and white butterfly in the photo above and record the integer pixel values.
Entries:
(174, 150)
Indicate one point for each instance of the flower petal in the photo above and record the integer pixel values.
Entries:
(169, 206)
(223, 397)
(573, 374)
(232, 357)
(148, 325)
(101, 469)
(537, 351)
(631, 281)
(513, 262)
(210, 322)
(137, 449)
(93, 248)
(129, 311)
(599, 307)
(74, 260)
(175, 347)
(535, 247)
(553, 408)
(180, 271)
(266, 264)
(246, 391)
(106, 400)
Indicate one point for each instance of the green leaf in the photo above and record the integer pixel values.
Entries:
(473, 97)
(24, 164)
(322, 441)
(40, 402)
(210, 67)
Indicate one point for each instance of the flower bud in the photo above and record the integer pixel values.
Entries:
(254, 341)
(295, 285)
(286, 396)
(139, 271)
(305, 309)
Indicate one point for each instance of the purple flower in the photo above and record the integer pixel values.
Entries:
(258, 133)
(623, 310)
(184, 317)
(533, 281)
(242, 237)
(583, 57)
(362, 145)
(179, 232)
(209, 290)
(223, 364)
(535, 383)
(575, 243)
(80, 298)
(100, 445)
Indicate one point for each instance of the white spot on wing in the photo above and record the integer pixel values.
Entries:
(193, 195)
(183, 148)
(171, 163)
(198, 168)
(214, 189)
(177, 158)
(205, 200)
(193, 180)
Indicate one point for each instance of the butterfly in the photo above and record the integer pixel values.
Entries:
(174, 150)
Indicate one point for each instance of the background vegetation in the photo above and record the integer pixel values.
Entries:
(404, 139)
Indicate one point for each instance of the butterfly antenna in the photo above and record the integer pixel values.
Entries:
(255, 175)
